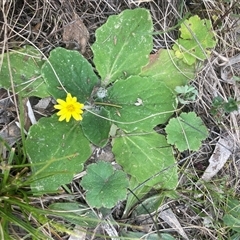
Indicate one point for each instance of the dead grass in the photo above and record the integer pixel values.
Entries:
(41, 24)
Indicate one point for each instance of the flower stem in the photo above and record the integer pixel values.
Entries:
(107, 104)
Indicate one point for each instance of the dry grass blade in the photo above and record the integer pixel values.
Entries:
(169, 217)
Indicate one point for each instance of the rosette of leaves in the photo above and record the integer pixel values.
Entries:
(128, 91)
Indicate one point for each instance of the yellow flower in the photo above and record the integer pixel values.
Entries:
(69, 108)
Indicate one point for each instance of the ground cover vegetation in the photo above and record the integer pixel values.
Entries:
(119, 120)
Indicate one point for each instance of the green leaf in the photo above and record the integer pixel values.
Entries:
(217, 101)
(235, 236)
(105, 186)
(197, 37)
(95, 128)
(25, 71)
(232, 222)
(233, 207)
(143, 103)
(136, 190)
(69, 69)
(123, 45)
(75, 213)
(147, 157)
(57, 151)
(165, 67)
(231, 105)
(217, 105)
(186, 94)
(152, 203)
(186, 132)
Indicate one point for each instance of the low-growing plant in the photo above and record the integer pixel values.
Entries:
(186, 94)
(231, 218)
(119, 101)
(15, 196)
(219, 106)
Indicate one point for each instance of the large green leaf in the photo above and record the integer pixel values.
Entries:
(147, 156)
(143, 103)
(95, 128)
(186, 131)
(105, 186)
(165, 67)
(69, 71)
(24, 68)
(57, 151)
(123, 44)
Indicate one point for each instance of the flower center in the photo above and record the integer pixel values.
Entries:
(70, 108)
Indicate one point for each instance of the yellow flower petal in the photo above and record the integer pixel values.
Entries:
(61, 118)
(61, 102)
(79, 105)
(74, 99)
(77, 117)
(57, 106)
(79, 111)
(69, 108)
(69, 97)
(68, 116)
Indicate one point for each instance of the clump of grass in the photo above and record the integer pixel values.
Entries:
(16, 214)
